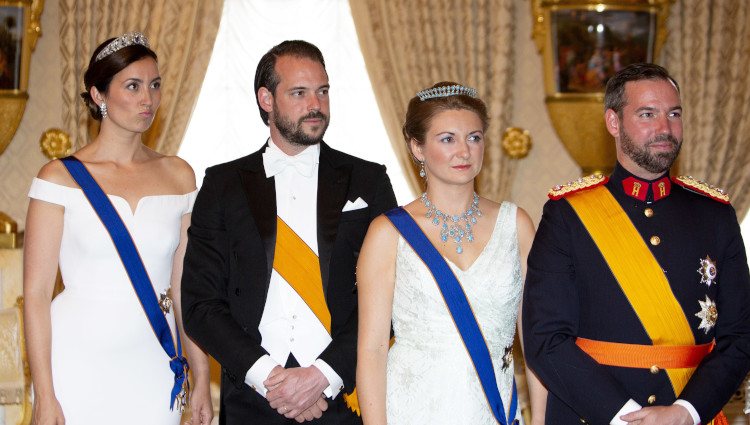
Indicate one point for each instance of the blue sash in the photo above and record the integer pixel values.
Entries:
(460, 309)
(138, 276)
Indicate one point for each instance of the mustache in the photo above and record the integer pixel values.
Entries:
(314, 115)
(664, 138)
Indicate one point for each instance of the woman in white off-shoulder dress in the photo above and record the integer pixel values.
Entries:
(427, 376)
(94, 356)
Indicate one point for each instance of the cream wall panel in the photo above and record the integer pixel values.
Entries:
(22, 159)
(548, 162)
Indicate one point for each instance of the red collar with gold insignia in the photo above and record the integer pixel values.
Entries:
(638, 189)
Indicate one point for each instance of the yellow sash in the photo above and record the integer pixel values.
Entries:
(636, 270)
(300, 267)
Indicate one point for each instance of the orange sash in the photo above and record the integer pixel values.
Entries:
(638, 273)
(298, 264)
(633, 265)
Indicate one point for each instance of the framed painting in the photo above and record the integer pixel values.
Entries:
(11, 42)
(19, 29)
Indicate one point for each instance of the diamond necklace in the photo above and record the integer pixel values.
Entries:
(452, 226)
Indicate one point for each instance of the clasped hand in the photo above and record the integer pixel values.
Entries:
(659, 415)
(297, 393)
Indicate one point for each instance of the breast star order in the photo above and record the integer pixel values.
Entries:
(708, 314)
(707, 271)
(507, 356)
(165, 303)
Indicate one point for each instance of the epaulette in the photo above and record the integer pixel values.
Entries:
(582, 183)
(695, 185)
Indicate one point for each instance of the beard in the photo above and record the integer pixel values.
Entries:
(642, 156)
(294, 133)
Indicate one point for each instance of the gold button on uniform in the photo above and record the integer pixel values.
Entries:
(651, 399)
(654, 369)
(648, 212)
(655, 240)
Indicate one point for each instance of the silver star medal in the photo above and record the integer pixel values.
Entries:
(708, 314)
(708, 271)
(165, 303)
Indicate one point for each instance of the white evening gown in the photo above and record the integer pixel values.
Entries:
(430, 378)
(107, 364)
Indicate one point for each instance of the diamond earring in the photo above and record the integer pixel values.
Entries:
(422, 173)
(103, 109)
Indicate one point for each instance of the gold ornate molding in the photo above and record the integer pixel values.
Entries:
(12, 106)
(55, 143)
(577, 112)
(9, 237)
(516, 142)
(15, 376)
(13, 100)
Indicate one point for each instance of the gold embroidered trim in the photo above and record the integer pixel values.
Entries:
(702, 187)
(587, 182)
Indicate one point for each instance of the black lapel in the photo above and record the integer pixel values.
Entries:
(333, 186)
(261, 198)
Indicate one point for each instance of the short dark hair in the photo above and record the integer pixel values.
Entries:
(100, 72)
(614, 95)
(265, 74)
(419, 113)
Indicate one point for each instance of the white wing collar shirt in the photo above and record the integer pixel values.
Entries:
(288, 326)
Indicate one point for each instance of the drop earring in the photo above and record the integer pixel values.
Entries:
(422, 173)
(103, 109)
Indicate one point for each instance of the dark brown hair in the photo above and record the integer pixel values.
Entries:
(419, 113)
(100, 72)
(614, 95)
(265, 73)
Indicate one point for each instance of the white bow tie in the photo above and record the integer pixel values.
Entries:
(275, 161)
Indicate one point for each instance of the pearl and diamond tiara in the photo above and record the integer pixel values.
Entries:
(118, 43)
(445, 91)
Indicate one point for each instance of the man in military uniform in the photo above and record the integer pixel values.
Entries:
(636, 300)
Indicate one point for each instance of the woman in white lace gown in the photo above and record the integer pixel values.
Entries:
(94, 356)
(427, 376)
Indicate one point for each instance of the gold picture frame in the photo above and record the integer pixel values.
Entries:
(20, 27)
(583, 43)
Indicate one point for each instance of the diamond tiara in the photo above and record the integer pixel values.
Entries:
(445, 91)
(118, 43)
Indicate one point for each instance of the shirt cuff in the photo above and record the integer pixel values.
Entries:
(689, 406)
(259, 372)
(335, 383)
(629, 407)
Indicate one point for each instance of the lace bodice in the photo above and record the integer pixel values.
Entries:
(430, 376)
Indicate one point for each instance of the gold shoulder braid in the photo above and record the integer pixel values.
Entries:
(702, 187)
(581, 183)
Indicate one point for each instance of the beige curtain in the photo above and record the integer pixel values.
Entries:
(181, 32)
(708, 52)
(410, 45)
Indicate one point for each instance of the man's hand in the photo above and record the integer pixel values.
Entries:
(292, 391)
(314, 412)
(659, 415)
